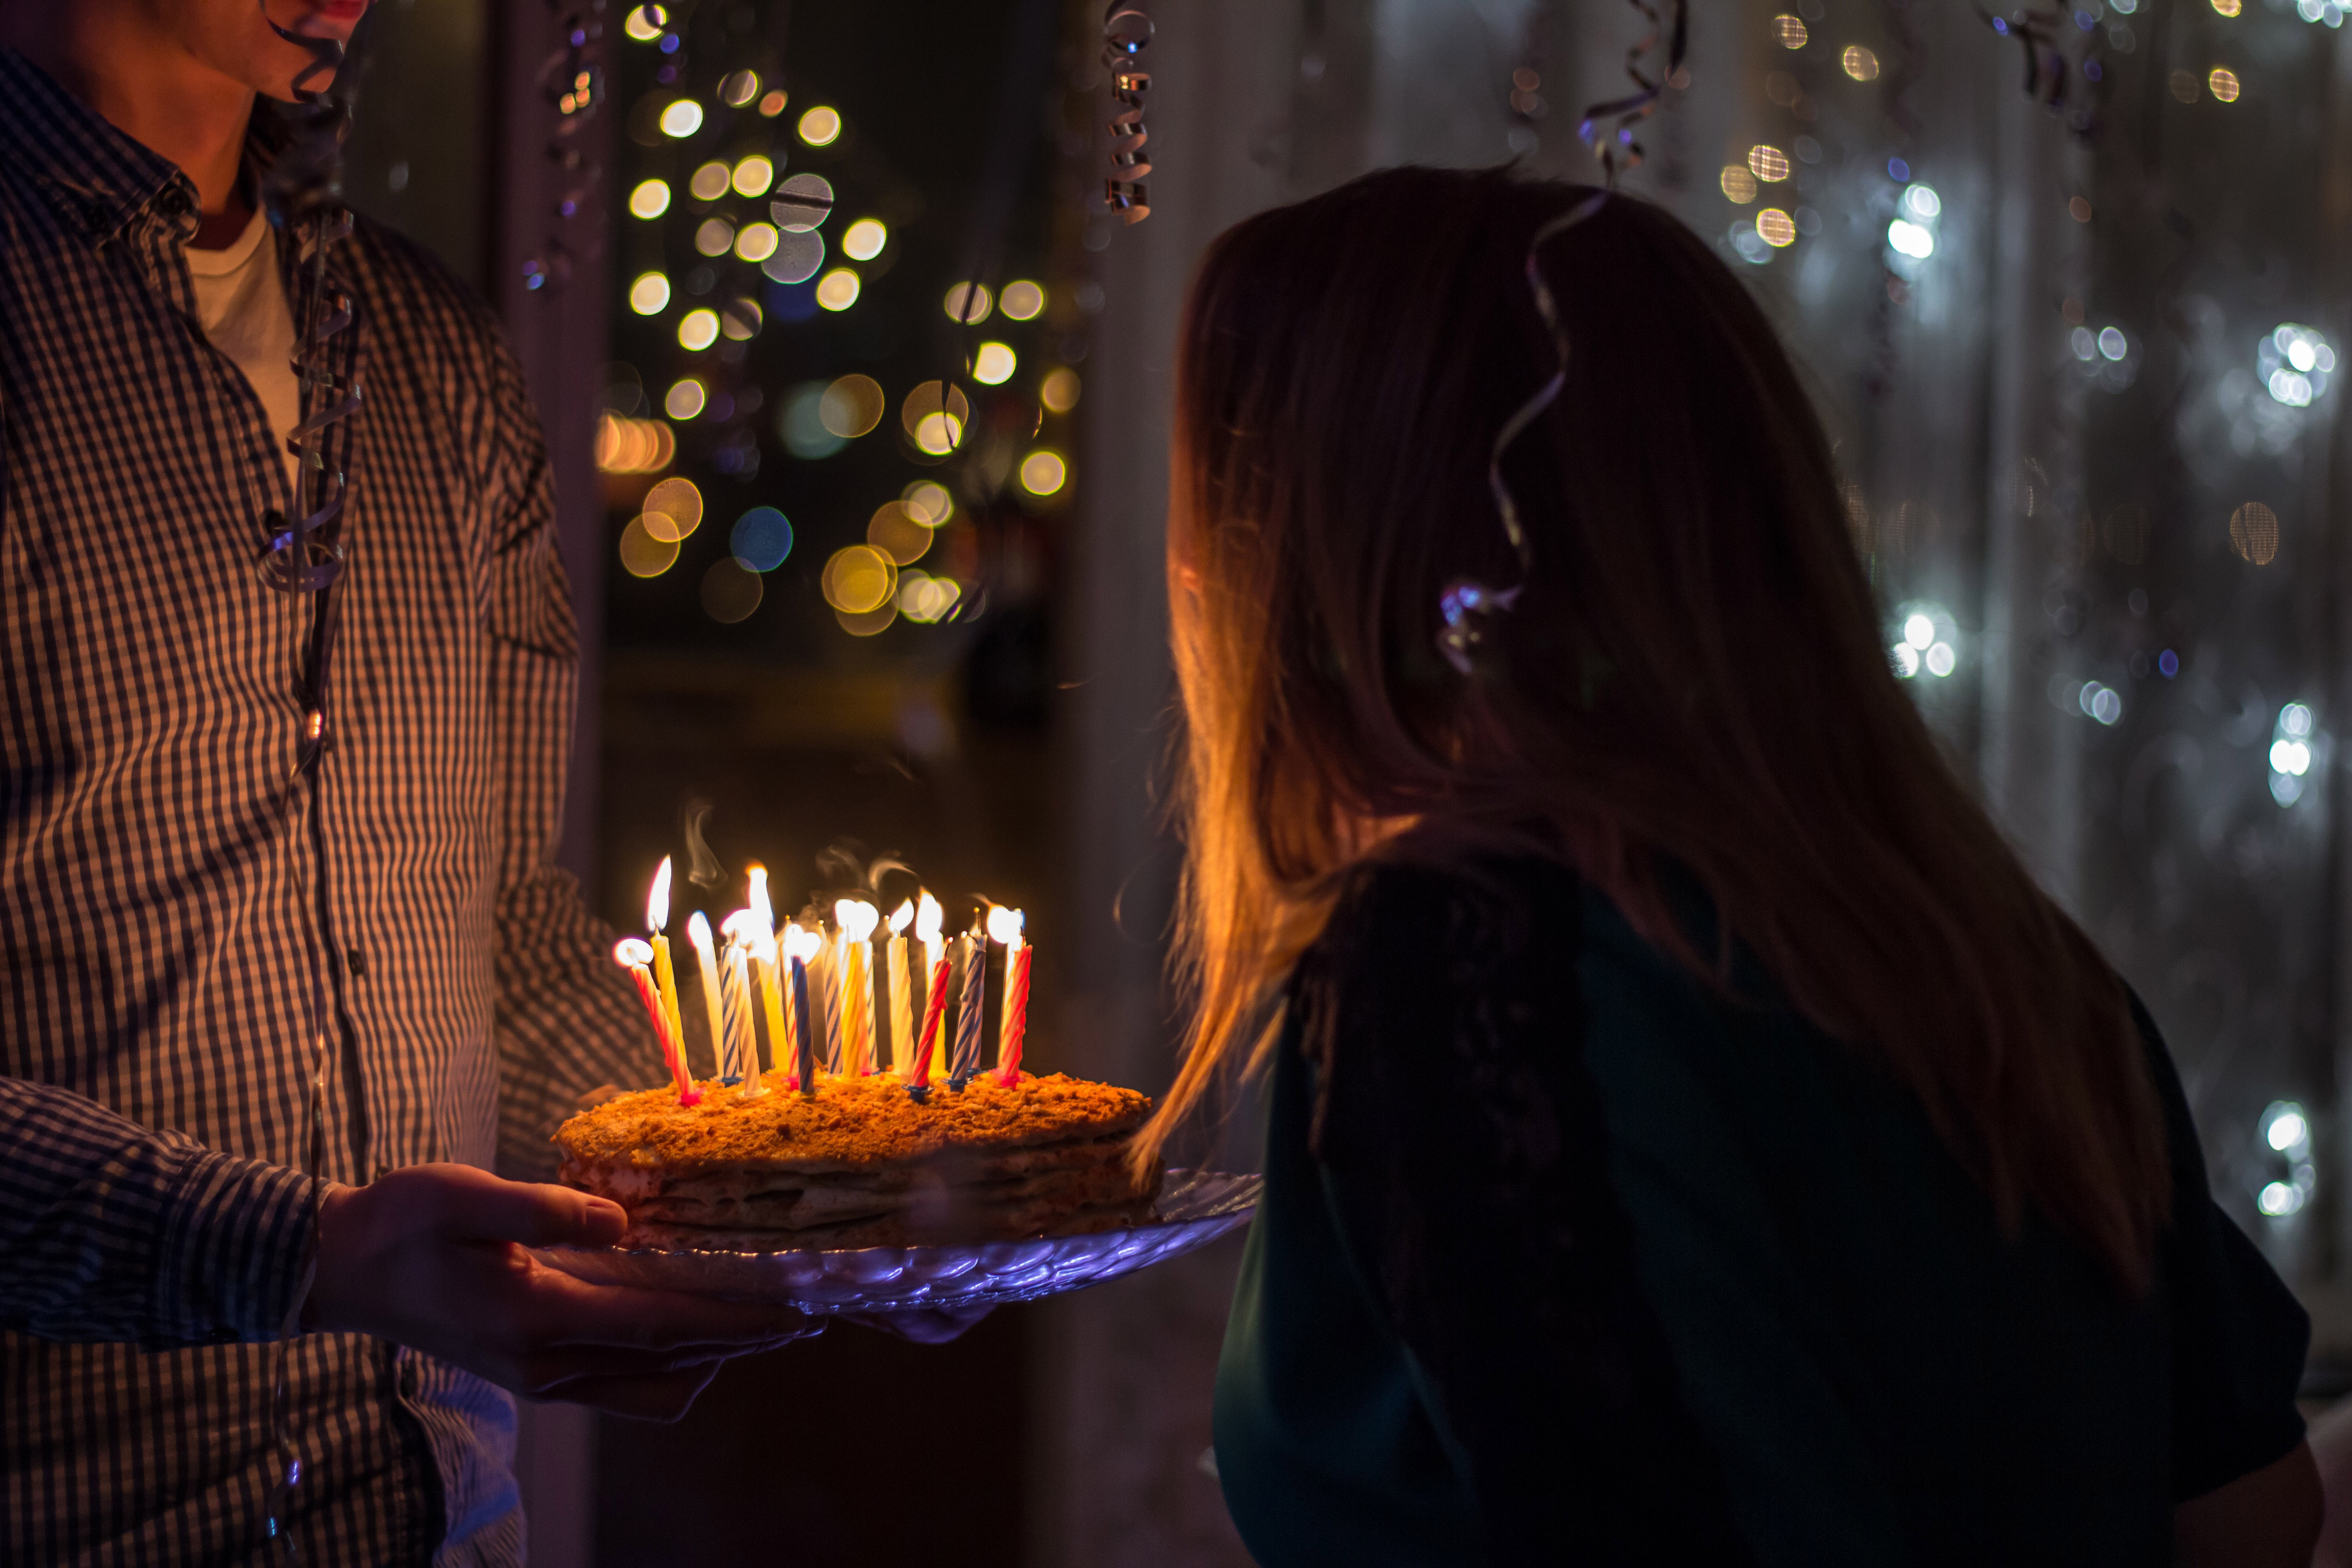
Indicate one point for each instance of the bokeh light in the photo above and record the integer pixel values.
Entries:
(2254, 532)
(993, 364)
(756, 242)
(1859, 63)
(673, 509)
(649, 295)
(802, 202)
(698, 329)
(1776, 227)
(1043, 472)
(1768, 162)
(760, 539)
(715, 237)
(1908, 238)
(1021, 300)
(852, 406)
(837, 289)
(753, 175)
(737, 89)
(821, 126)
(1738, 183)
(741, 320)
(681, 119)
(859, 579)
(650, 199)
(685, 399)
(731, 592)
(929, 503)
(925, 599)
(872, 623)
(1789, 32)
(646, 22)
(774, 103)
(2222, 83)
(801, 422)
(895, 531)
(709, 182)
(642, 554)
(631, 446)
(864, 240)
(934, 418)
(798, 255)
(1060, 392)
(972, 297)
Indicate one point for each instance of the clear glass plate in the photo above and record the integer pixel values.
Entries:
(1195, 1207)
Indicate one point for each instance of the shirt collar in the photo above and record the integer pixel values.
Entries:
(99, 176)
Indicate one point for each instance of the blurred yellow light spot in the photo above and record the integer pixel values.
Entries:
(753, 175)
(1768, 162)
(929, 503)
(646, 22)
(685, 399)
(627, 445)
(2226, 8)
(774, 103)
(650, 199)
(710, 181)
(1738, 183)
(2254, 532)
(715, 238)
(896, 531)
(837, 289)
(649, 295)
(970, 296)
(851, 407)
(928, 401)
(673, 509)
(1789, 32)
(730, 591)
(820, 127)
(698, 329)
(1776, 227)
(2222, 83)
(681, 119)
(993, 364)
(643, 555)
(938, 434)
(864, 240)
(1060, 392)
(859, 579)
(740, 88)
(756, 242)
(741, 320)
(1042, 473)
(925, 599)
(871, 623)
(1859, 63)
(1021, 300)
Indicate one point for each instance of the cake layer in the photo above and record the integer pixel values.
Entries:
(893, 1230)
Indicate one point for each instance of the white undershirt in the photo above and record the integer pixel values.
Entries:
(241, 305)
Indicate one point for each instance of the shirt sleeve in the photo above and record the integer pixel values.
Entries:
(114, 1232)
(1461, 1149)
(568, 1019)
(2239, 1336)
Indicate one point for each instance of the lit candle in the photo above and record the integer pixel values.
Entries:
(933, 1008)
(854, 973)
(928, 917)
(1004, 926)
(762, 937)
(966, 1061)
(735, 1004)
(800, 943)
(902, 997)
(634, 956)
(666, 977)
(698, 932)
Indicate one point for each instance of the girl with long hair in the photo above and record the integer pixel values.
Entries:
(1694, 1137)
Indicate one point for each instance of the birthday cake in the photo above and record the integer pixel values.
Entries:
(862, 1162)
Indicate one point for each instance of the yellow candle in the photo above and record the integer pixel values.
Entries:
(706, 954)
(856, 919)
(665, 976)
(902, 995)
(760, 934)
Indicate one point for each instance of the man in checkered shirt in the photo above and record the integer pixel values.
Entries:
(196, 904)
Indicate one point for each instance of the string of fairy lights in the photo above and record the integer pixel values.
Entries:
(763, 220)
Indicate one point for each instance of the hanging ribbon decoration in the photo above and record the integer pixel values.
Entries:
(1469, 609)
(1126, 33)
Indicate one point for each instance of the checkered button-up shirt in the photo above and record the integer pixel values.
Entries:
(181, 919)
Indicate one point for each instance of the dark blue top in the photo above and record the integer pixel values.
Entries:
(1564, 1258)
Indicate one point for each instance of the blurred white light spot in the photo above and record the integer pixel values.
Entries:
(681, 119)
(2086, 344)
(2287, 788)
(2291, 389)
(1908, 238)
(1923, 201)
(2290, 757)
(2279, 1200)
(2295, 719)
(993, 364)
(1941, 658)
(1906, 659)
(1920, 631)
(2112, 343)
(649, 295)
(2288, 1129)
(2101, 702)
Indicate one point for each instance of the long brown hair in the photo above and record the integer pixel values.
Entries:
(1694, 682)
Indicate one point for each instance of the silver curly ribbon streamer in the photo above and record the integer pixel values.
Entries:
(1126, 33)
(1615, 146)
(1467, 609)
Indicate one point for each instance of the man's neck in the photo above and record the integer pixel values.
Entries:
(153, 91)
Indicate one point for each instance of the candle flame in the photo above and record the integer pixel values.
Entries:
(1004, 926)
(801, 942)
(855, 918)
(657, 901)
(697, 932)
(764, 912)
(742, 928)
(900, 916)
(927, 918)
(631, 952)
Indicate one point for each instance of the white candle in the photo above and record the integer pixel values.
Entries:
(902, 995)
(697, 932)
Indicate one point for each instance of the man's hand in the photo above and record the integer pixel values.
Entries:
(437, 1257)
